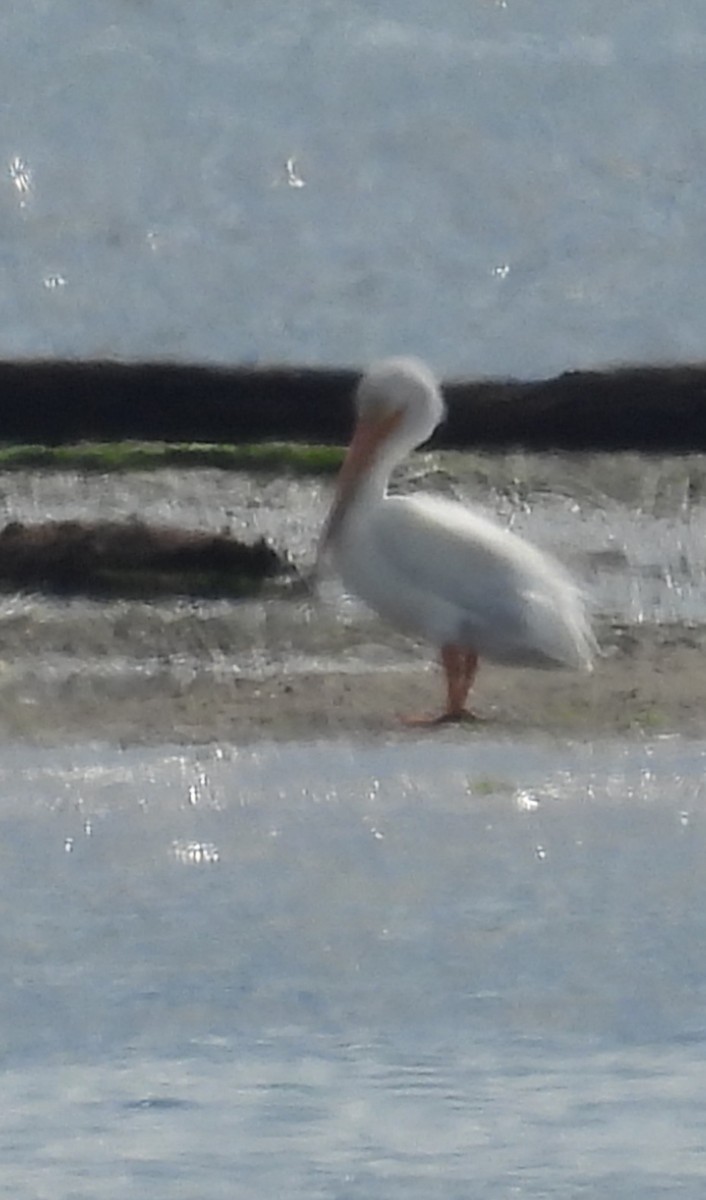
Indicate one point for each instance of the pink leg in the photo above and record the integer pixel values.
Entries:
(460, 666)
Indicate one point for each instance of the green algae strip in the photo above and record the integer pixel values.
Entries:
(280, 457)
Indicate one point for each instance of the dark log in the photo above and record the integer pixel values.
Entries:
(654, 408)
(63, 402)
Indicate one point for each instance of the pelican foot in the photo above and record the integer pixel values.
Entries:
(463, 717)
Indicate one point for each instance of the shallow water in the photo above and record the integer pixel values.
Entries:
(331, 970)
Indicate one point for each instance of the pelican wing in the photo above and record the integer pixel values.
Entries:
(509, 600)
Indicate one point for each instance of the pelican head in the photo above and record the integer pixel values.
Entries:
(403, 392)
(398, 405)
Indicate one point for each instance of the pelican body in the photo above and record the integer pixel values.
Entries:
(434, 567)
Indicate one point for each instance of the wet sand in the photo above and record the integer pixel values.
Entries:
(184, 671)
(650, 681)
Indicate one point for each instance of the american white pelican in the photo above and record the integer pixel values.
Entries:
(432, 566)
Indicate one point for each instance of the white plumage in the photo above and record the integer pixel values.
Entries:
(435, 567)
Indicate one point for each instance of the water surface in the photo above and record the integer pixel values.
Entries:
(501, 187)
(344, 971)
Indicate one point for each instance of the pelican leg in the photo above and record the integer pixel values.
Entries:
(460, 666)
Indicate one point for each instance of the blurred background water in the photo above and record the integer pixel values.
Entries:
(354, 970)
(501, 187)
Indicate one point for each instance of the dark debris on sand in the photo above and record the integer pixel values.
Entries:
(118, 558)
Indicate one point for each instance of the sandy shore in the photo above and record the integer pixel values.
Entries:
(650, 681)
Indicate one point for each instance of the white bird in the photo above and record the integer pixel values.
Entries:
(435, 568)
